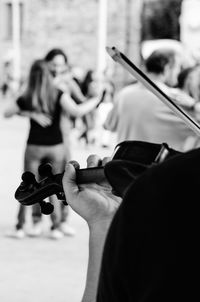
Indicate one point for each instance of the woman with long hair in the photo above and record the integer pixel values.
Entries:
(43, 103)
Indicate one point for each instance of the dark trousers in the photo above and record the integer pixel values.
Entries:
(34, 156)
(59, 215)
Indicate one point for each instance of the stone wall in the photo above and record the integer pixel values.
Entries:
(69, 24)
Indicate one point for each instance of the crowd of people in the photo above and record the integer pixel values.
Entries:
(53, 100)
(138, 241)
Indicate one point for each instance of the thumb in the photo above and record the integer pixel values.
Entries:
(69, 183)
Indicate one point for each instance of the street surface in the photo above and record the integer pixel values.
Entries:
(37, 269)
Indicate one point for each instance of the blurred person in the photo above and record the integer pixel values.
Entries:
(183, 92)
(103, 136)
(94, 131)
(191, 83)
(43, 103)
(64, 79)
(9, 85)
(7, 78)
(89, 89)
(143, 247)
(187, 95)
(139, 115)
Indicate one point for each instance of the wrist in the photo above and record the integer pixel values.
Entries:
(99, 229)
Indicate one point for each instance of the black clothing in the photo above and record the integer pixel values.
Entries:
(152, 249)
(44, 136)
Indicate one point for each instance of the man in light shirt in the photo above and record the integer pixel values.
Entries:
(138, 114)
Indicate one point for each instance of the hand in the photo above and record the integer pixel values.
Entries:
(42, 119)
(94, 202)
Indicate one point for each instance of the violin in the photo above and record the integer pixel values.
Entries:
(130, 160)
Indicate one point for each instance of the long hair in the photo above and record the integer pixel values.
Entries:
(55, 52)
(40, 91)
(86, 82)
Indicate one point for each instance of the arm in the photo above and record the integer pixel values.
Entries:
(97, 205)
(69, 105)
(76, 92)
(112, 118)
(42, 119)
(66, 83)
(96, 245)
(12, 110)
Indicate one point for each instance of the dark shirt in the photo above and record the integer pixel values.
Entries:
(152, 248)
(44, 136)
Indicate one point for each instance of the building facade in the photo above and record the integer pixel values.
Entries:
(68, 24)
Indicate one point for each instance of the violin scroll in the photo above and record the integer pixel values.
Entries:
(30, 191)
(130, 160)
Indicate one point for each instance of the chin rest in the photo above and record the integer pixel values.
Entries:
(141, 156)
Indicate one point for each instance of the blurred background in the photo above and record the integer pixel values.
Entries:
(40, 269)
(28, 29)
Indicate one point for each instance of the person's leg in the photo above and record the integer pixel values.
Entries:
(66, 128)
(22, 209)
(19, 232)
(64, 224)
(36, 213)
(56, 215)
(59, 217)
(64, 213)
(33, 157)
(21, 217)
(56, 157)
(29, 165)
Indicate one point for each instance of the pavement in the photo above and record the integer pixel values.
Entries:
(37, 269)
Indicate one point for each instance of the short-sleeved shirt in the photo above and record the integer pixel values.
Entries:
(38, 135)
(139, 115)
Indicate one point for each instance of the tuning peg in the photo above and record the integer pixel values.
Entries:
(61, 196)
(46, 207)
(45, 170)
(64, 202)
(28, 178)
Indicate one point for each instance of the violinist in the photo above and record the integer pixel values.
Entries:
(144, 247)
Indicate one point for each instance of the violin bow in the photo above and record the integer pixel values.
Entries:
(119, 57)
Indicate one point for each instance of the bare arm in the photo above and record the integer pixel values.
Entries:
(97, 205)
(11, 110)
(97, 239)
(76, 92)
(41, 118)
(69, 105)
